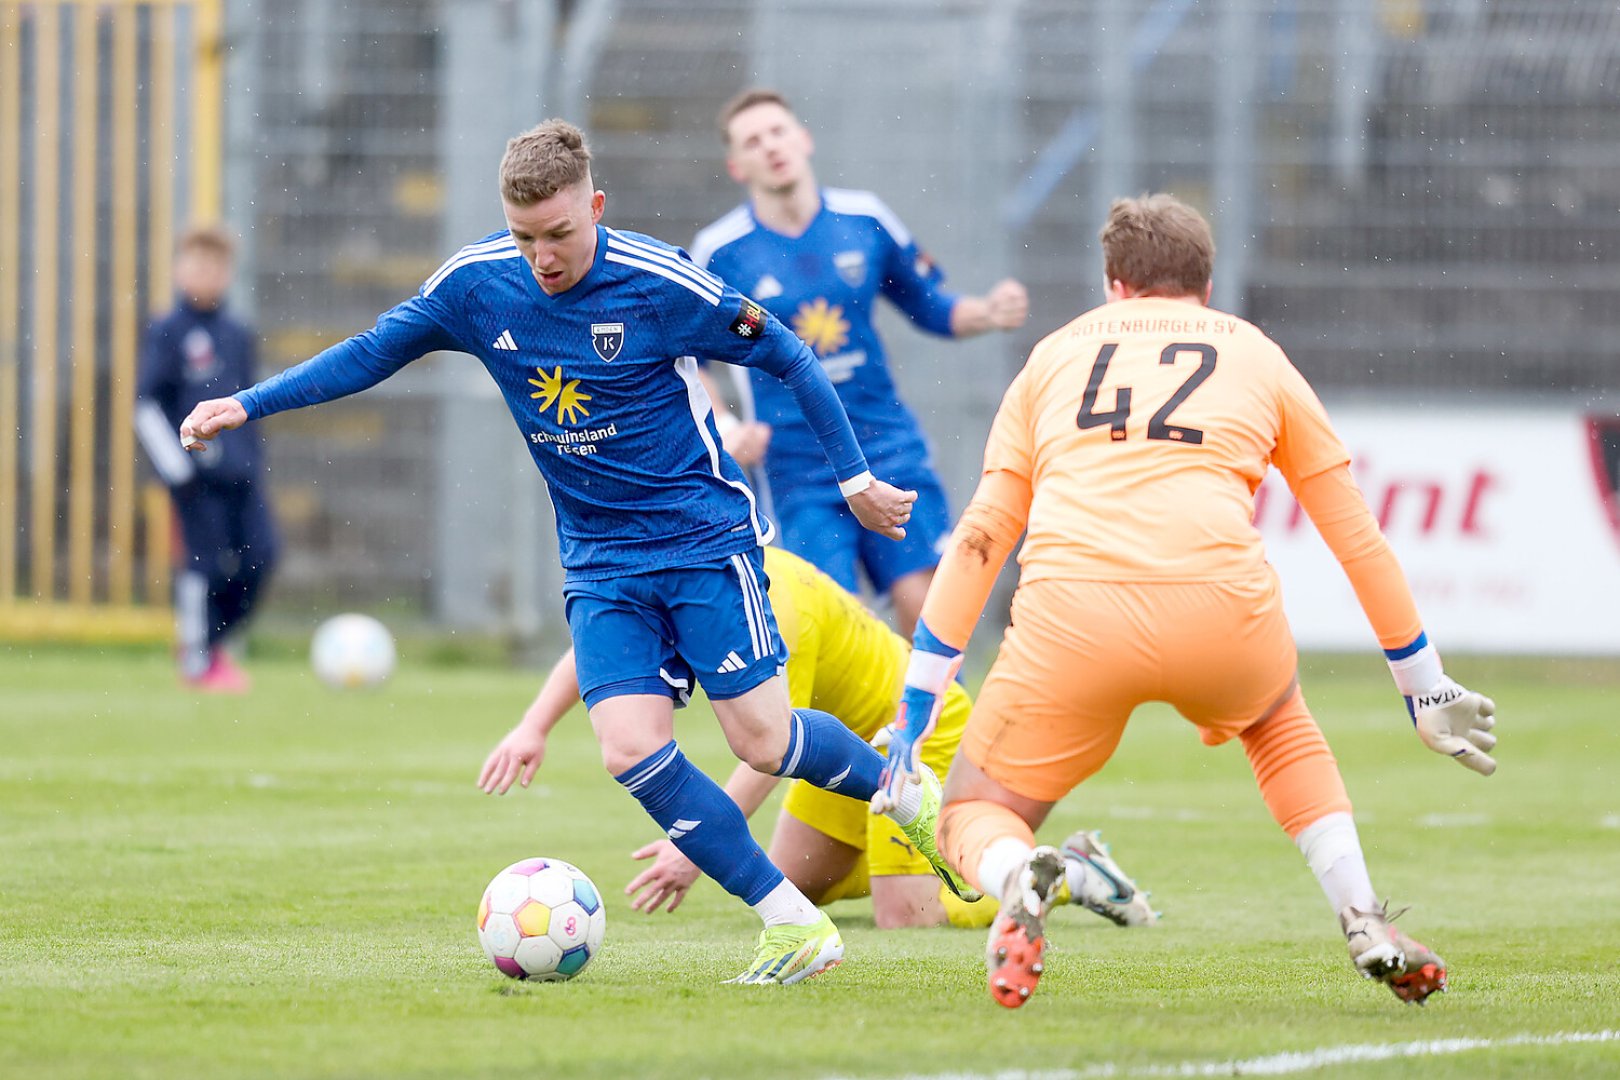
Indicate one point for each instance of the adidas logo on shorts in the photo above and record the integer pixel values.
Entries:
(733, 662)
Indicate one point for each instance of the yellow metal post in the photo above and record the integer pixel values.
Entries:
(121, 503)
(82, 305)
(42, 432)
(160, 162)
(208, 112)
(109, 579)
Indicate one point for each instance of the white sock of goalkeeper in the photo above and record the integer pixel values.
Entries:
(999, 861)
(1332, 849)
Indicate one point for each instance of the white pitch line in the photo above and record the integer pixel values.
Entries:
(1453, 821)
(1285, 1064)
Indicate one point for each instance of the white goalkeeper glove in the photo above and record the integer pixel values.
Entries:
(1450, 719)
(1455, 721)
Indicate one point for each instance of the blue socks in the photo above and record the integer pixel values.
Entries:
(823, 752)
(707, 826)
(704, 823)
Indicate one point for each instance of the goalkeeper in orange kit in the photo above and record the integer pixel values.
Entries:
(1129, 449)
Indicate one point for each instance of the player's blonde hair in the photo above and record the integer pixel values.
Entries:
(548, 158)
(1157, 244)
(758, 95)
(208, 238)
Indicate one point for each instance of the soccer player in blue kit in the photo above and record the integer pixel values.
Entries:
(818, 258)
(591, 335)
(196, 351)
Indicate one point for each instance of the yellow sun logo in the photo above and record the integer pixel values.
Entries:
(568, 398)
(822, 326)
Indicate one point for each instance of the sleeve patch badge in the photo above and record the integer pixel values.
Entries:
(750, 321)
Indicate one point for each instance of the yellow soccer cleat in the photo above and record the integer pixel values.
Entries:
(921, 834)
(790, 954)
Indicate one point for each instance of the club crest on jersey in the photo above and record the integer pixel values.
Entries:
(750, 321)
(202, 362)
(607, 338)
(851, 266)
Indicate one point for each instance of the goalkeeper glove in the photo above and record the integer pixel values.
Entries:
(1455, 721)
(1449, 718)
(929, 674)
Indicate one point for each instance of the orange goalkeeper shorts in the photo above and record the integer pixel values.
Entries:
(1080, 656)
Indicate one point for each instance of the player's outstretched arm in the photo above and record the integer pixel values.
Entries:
(1004, 307)
(980, 544)
(1449, 718)
(518, 755)
(208, 418)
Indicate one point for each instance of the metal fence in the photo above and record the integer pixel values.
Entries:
(109, 130)
(1408, 194)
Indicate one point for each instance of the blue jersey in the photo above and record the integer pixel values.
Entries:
(602, 381)
(190, 355)
(825, 284)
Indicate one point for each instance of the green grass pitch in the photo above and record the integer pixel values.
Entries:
(285, 884)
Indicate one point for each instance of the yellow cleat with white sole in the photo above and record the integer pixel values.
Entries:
(921, 833)
(789, 954)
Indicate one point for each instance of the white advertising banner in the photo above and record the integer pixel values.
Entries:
(1505, 520)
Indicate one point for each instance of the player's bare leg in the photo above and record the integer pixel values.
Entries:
(907, 595)
(630, 727)
(827, 869)
(812, 860)
(906, 900)
(756, 724)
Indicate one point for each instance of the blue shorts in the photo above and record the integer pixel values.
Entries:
(650, 633)
(825, 533)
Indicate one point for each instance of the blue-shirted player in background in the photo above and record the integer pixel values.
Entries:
(818, 259)
(592, 336)
(199, 351)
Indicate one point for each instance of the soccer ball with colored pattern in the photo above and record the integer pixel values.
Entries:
(541, 919)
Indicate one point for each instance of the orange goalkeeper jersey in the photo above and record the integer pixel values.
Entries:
(1144, 427)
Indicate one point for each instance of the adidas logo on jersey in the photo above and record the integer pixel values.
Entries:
(733, 662)
(505, 342)
(767, 288)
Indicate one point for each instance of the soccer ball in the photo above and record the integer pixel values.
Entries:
(352, 650)
(541, 919)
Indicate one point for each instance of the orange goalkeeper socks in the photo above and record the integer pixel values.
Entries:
(967, 830)
(1298, 776)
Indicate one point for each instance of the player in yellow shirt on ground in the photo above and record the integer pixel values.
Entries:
(1129, 448)
(841, 658)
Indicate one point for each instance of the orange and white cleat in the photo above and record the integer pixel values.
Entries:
(1409, 968)
(1013, 954)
